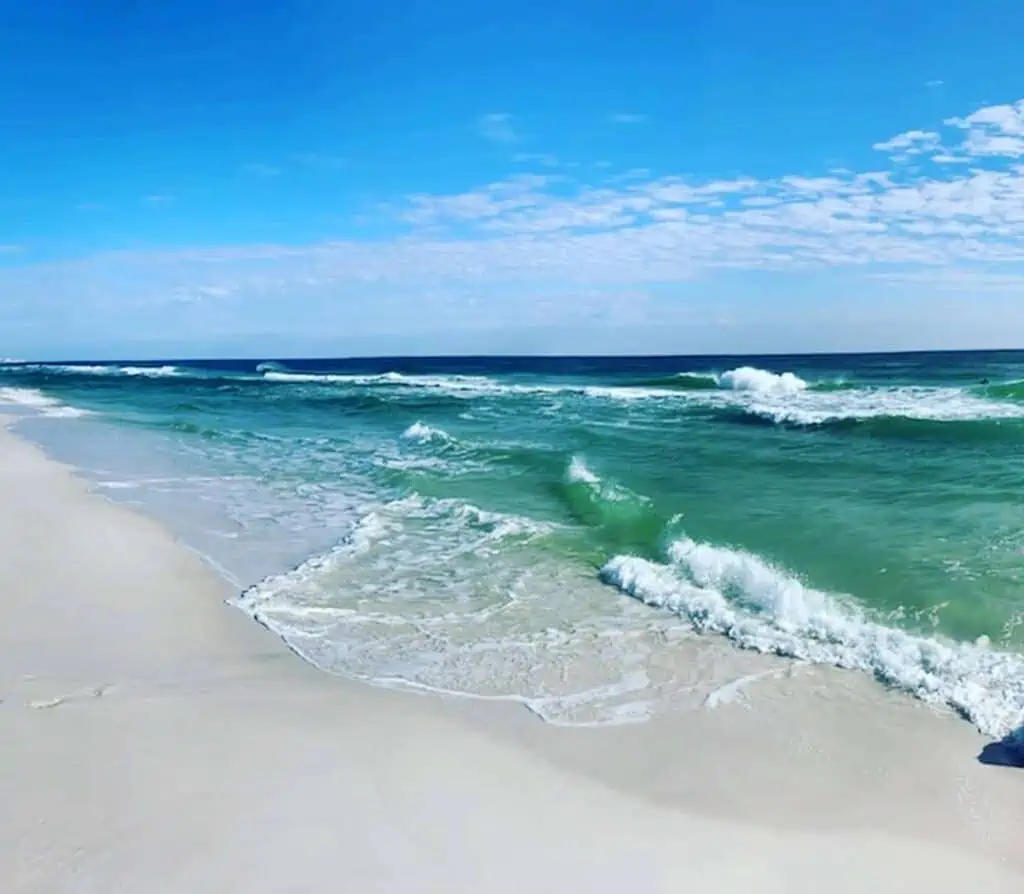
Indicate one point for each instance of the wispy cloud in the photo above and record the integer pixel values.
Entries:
(935, 83)
(627, 118)
(913, 142)
(496, 127)
(971, 281)
(992, 130)
(540, 158)
(536, 239)
(159, 199)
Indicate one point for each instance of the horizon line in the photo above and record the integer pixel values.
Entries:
(265, 358)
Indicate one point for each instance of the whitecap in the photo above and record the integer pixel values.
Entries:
(40, 403)
(420, 431)
(750, 378)
(763, 608)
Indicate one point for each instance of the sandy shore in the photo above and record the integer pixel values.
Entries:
(153, 739)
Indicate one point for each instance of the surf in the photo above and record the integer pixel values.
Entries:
(760, 607)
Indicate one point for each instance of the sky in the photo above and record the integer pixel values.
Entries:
(352, 177)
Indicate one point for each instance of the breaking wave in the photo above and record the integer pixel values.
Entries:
(85, 369)
(760, 607)
(812, 408)
(749, 378)
(420, 431)
(41, 404)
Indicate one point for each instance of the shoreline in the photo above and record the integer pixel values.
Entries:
(154, 738)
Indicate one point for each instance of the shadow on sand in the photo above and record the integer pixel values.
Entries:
(1008, 752)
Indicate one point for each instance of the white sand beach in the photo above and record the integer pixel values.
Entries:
(154, 740)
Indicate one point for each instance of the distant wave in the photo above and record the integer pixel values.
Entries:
(743, 394)
(749, 378)
(420, 431)
(683, 381)
(837, 408)
(760, 607)
(96, 369)
(746, 379)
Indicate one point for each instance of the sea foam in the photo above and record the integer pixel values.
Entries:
(750, 378)
(766, 609)
(40, 403)
(96, 369)
(423, 433)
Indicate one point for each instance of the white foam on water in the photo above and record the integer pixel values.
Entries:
(453, 382)
(706, 376)
(911, 402)
(41, 404)
(420, 431)
(783, 398)
(443, 596)
(750, 378)
(579, 472)
(152, 372)
(734, 690)
(762, 608)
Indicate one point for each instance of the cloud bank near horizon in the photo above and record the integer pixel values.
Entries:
(940, 214)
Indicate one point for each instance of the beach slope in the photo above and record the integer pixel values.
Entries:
(153, 739)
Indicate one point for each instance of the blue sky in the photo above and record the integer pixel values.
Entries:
(316, 177)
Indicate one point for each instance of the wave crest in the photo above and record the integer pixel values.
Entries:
(420, 431)
(750, 378)
(763, 608)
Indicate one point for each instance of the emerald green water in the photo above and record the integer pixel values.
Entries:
(523, 528)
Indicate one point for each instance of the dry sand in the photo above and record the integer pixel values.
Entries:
(153, 739)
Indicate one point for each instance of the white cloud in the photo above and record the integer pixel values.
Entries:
(1007, 118)
(913, 142)
(982, 143)
(159, 199)
(496, 127)
(935, 83)
(992, 130)
(627, 118)
(529, 237)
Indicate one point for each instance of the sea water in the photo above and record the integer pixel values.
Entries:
(549, 530)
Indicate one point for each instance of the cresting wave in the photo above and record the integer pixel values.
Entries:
(749, 378)
(85, 369)
(824, 408)
(745, 393)
(401, 629)
(760, 607)
(780, 398)
(420, 431)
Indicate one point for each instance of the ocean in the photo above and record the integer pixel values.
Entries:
(553, 530)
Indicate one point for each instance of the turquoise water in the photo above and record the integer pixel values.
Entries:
(544, 529)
